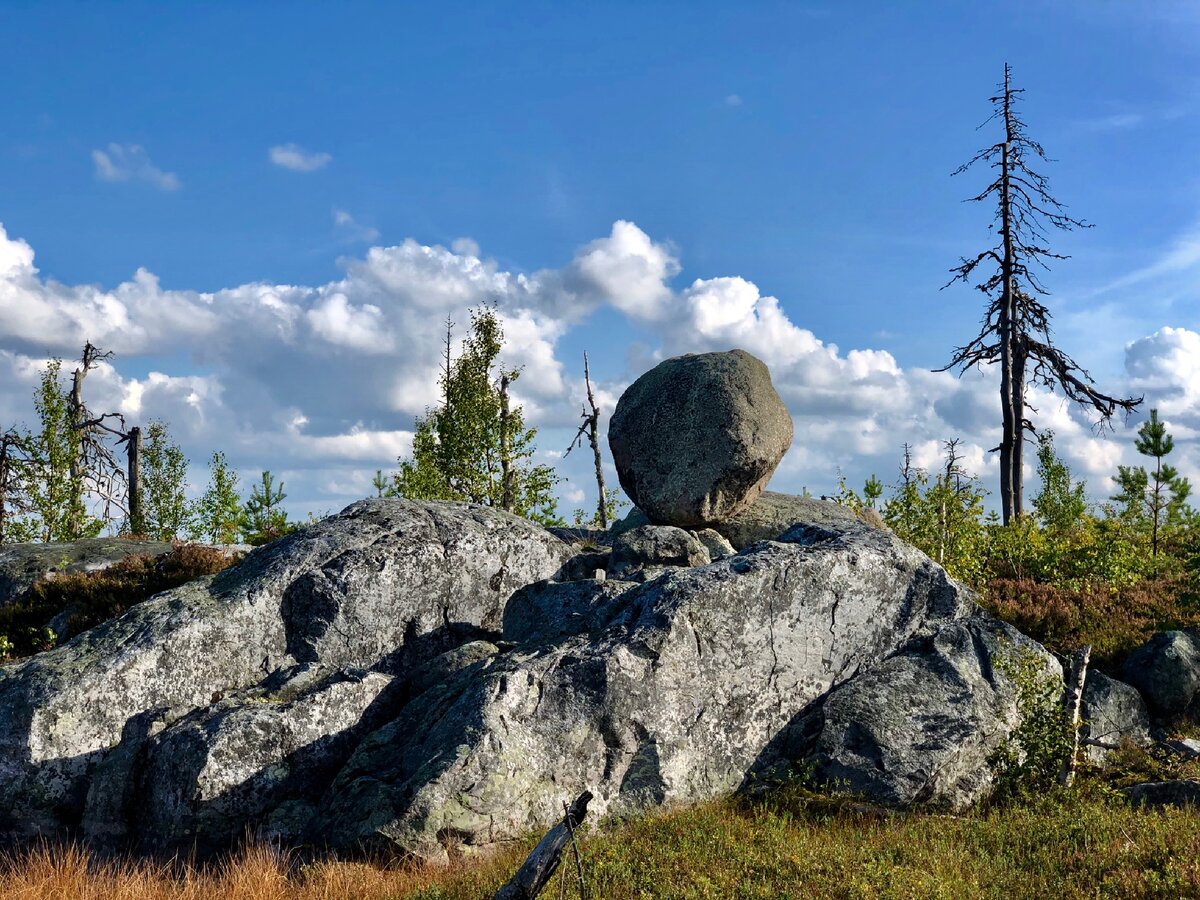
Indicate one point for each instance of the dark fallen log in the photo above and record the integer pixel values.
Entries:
(542, 863)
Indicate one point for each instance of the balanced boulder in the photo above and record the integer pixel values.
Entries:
(696, 439)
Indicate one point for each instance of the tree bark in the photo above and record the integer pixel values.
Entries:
(137, 518)
(507, 501)
(1072, 701)
(593, 424)
(1009, 478)
(542, 863)
(1018, 460)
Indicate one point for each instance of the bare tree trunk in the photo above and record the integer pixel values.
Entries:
(137, 517)
(77, 463)
(541, 864)
(1072, 700)
(1009, 477)
(507, 501)
(1018, 457)
(446, 367)
(593, 425)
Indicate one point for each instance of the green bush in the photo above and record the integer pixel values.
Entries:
(1030, 760)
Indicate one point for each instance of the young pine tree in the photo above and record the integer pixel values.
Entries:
(383, 487)
(265, 520)
(219, 510)
(1158, 499)
(943, 518)
(475, 447)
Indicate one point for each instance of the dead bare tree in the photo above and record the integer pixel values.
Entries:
(1016, 326)
(95, 469)
(14, 457)
(591, 428)
(507, 500)
(132, 439)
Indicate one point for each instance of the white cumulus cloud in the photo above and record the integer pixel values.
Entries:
(322, 383)
(297, 159)
(130, 162)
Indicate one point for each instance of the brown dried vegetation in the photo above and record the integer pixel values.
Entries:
(93, 597)
(1114, 620)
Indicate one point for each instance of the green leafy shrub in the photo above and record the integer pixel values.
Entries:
(1030, 760)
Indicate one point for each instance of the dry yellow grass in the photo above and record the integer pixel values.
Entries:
(260, 873)
(1079, 844)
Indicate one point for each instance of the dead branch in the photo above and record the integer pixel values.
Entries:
(540, 865)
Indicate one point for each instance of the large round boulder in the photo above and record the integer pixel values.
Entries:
(696, 439)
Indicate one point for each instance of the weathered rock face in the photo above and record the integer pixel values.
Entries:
(246, 756)
(385, 584)
(404, 675)
(697, 437)
(653, 546)
(1113, 713)
(769, 516)
(773, 513)
(1166, 670)
(23, 564)
(921, 726)
(676, 689)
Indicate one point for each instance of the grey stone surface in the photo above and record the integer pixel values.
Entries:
(1185, 792)
(715, 543)
(674, 692)
(548, 611)
(773, 513)
(1114, 713)
(769, 516)
(1166, 670)
(655, 546)
(1188, 748)
(385, 584)
(919, 728)
(404, 676)
(218, 772)
(696, 438)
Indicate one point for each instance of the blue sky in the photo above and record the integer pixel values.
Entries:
(249, 156)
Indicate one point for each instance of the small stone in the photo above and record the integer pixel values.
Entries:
(655, 545)
(715, 543)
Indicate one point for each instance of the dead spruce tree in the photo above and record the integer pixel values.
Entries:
(15, 458)
(1016, 325)
(94, 467)
(591, 428)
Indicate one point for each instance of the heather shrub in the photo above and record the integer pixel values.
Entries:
(89, 598)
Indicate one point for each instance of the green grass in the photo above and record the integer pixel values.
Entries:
(1087, 843)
